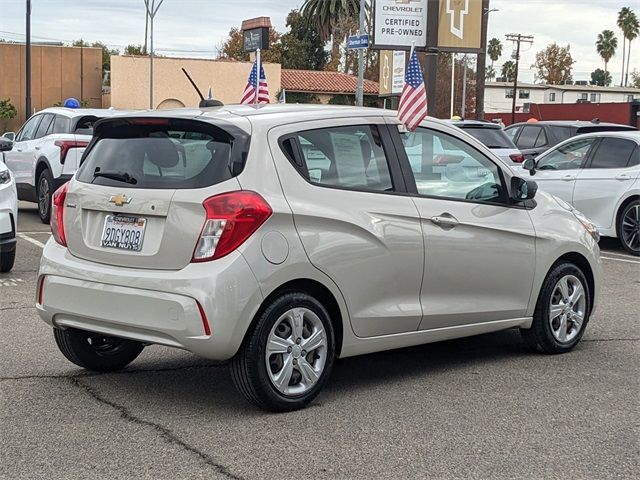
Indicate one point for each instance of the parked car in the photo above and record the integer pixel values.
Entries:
(538, 137)
(47, 150)
(8, 212)
(494, 137)
(296, 234)
(599, 174)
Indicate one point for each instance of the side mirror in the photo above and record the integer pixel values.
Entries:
(530, 165)
(522, 189)
(9, 135)
(5, 144)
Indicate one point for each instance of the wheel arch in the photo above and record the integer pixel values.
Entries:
(317, 290)
(41, 165)
(623, 204)
(583, 264)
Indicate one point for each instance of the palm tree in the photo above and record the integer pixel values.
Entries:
(490, 73)
(494, 49)
(509, 70)
(630, 31)
(606, 46)
(332, 19)
(622, 21)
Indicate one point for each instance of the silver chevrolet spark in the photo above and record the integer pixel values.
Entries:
(286, 236)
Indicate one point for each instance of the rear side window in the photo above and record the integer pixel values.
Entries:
(613, 153)
(349, 157)
(44, 125)
(563, 133)
(491, 137)
(187, 155)
(528, 137)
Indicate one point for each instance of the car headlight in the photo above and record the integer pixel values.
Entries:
(587, 224)
(5, 177)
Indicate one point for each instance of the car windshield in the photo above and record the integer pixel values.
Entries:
(491, 137)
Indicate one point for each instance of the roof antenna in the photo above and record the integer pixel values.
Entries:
(204, 103)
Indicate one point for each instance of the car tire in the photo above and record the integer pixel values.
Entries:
(44, 194)
(94, 351)
(562, 311)
(7, 260)
(273, 368)
(628, 227)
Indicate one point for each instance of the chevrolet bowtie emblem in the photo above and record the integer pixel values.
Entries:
(119, 200)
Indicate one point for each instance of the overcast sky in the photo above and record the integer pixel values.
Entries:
(195, 28)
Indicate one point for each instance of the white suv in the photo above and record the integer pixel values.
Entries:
(284, 236)
(8, 212)
(47, 152)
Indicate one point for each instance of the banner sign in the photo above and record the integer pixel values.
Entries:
(460, 24)
(398, 23)
(392, 72)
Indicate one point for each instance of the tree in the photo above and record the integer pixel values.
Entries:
(553, 64)
(302, 47)
(7, 112)
(233, 47)
(606, 46)
(630, 31)
(494, 49)
(106, 55)
(600, 77)
(508, 70)
(635, 79)
(622, 23)
(489, 73)
(134, 50)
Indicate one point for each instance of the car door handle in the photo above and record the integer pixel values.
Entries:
(18, 149)
(445, 220)
(568, 178)
(623, 176)
(37, 148)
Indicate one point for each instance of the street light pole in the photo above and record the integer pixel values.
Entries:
(27, 112)
(360, 87)
(152, 9)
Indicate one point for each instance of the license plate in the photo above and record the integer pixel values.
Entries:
(123, 232)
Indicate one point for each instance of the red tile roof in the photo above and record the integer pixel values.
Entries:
(324, 82)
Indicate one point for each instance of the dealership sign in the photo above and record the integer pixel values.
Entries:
(392, 72)
(400, 23)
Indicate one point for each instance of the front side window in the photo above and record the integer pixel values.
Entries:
(566, 157)
(446, 167)
(348, 157)
(44, 125)
(614, 153)
(512, 132)
(28, 131)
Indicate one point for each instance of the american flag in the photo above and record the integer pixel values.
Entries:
(413, 102)
(249, 95)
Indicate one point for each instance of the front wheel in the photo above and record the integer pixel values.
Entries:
(562, 311)
(629, 227)
(44, 192)
(94, 351)
(7, 260)
(288, 356)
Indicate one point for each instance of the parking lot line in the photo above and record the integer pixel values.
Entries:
(621, 259)
(31, 240)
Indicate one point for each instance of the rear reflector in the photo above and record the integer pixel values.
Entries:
(57, 215)
(517, 157)
(66, 145)
(231, 219)
(205, 321)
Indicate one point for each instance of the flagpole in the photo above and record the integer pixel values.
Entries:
(255, 100)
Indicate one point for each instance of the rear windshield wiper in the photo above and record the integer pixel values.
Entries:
(119, 176)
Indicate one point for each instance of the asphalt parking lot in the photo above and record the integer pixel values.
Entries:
(482, 407)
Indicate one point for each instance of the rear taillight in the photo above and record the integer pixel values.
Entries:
(517, 157)
(231, 219)
(66, 145)
(57, 215)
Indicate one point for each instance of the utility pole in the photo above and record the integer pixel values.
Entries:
(152, 9)
(27, 112)
(453, 83)
(360, 88)
(431, 57)
(463, 109)
(518, 38)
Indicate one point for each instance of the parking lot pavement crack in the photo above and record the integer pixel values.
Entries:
(610, 339)
(25, 307)
(165, 432)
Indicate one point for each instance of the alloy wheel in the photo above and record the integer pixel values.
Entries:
(567, 309)
(43, 196)
(631, 228)
(296, 351)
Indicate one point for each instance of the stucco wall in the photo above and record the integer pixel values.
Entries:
(130, 81)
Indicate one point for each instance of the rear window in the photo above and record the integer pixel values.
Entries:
(562, 133)
(604, 128)
(491, 137)
(177, 156)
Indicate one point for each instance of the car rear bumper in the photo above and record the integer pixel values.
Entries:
(151, 306)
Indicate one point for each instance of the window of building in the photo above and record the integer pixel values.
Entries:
(552, 96)
(583, 96)
(629, 98)
(508, 93)
(595, 97)
(523, 94)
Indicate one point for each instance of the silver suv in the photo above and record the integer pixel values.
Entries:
(283, 237)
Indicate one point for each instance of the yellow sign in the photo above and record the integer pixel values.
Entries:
(460, 23)
(392, 72)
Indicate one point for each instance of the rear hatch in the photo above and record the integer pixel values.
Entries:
(136, 200)
(494, 138)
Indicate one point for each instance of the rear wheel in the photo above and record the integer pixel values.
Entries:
(287, 358)
(44, 191)
(562, 311)
(7, 260)
(629, 227)
(96, 352)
